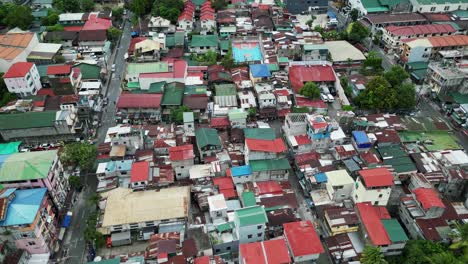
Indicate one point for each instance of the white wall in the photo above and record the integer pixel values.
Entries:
(438, 8)
(361, 194)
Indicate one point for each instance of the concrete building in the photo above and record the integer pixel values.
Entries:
(182, 158)
(237, 118)
(314, 52)
(15, 47)
(208, 142)
(146, 107)
(445, 77)
(438, 6)
(374, 186)
(250, 224)
(225, 95)
(303, 242)
(270, 170)
(240, 174)
(22, 79)
(217, 207)
(423, 49)
(260, 149)
(264, 252)
(339, 185)
(140, 175)
(204, 43)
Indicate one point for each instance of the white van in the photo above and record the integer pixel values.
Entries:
(331, 99)
(324, 97)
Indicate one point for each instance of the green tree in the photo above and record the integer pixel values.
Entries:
(357, 32)
(443, 258)
(79, 154)
(252, 112)
(117, 13)
(396, 75)
(310, 90)
(168, 9)
(378, 95)
(423, 252)
(64, 6)
(228, 60)
(319, 29)
(373, 63)
(87, 5)
(372, 255)
(354, 14)
(5, 96)
(75, 182)
(91, 235)
(51, 19)
(460, 241)
(177, 114)
(19, 16)
(94, 199)
(141, 7)
(310, 22)
(56, 27)
(60, 59)
(206, 59)
(114, 34)
(218, 4)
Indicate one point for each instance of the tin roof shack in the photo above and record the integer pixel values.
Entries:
(128, 210)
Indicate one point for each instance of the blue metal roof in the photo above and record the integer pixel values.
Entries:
(320, 177)
(360, 137)
(66, 221)
(330, 14)
(260, 70)
(24, 207)
(241, 171)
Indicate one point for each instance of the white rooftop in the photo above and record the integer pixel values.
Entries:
(342, 50)
(338, 177)
(217, 203)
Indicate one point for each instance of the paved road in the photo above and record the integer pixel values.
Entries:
(74, 242)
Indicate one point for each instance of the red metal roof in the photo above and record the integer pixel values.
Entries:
(306, 102)
(377, 177)
(73, 28)
(58, 69)
(202, 260)
(225, 187)
(299, 75)
(270, 251)
(139, 171)
(139, 101)
(207, 16)
(19, 69)
(302, 140)
(420, 29)
(268, 187)
(276, 145)
(219, 122)
(184, 152)
(133, 42)
(370, 157)
(96, 23)
(281, 92)
(46, 91)
(179, 70)
(449, 41)
(302, 238)
(371, 218)
(305, 158)
(428, 198)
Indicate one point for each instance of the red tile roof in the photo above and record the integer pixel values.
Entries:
(449, 41)
(420, 29)
(19, 69)
(185, 16)
(207, 16)
(139, 101)
(428, 198)
(302, 238)
(299, 75)
(140, 171)
(276, 145)
(184, 152)
(306, 102)
(371, 218)
(219, 122)
(270, 251)
(377, 177)
(96, 23)
(268, 187)
(305, 158)
(59, 69)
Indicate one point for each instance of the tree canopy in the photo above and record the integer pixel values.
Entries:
(228, 60)
(117, 13)
(177, 114)
(79, 154)
(310, 90)
(357, 32)
(208, 58)
(354, 14)
(51, 19)
(14, 15)
(372, 64)
(218, 4)
(87, 5)
(168, 9)
(5, 96)
(425, 251)
(113, 34)
(372, 255)
(71, 6)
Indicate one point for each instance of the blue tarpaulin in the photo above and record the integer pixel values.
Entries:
(320, 177)
(330, 14)
(361, 139)
(66, 221)
(240, 171)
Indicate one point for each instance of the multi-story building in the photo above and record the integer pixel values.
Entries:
(39, 169)
(181, 158)
(444, 77)
(319, 131)
(264, 252)
(22, 79)
(240, 174)
(339, 185)
(438, 6)
(301, 6)
(423, 49)
(204, 43)
(237, 118)
(340, 220)
(381, 230)
(29, 218)
(314, 52)
(160, 25)
(250, 223)
(374, 186)
(262, 149)
(208, 142)
(145, 107)
(303, 242)
(270, 169)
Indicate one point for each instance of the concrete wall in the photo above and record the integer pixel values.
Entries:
(181, 168)
(256, 234)
(438, 8)
(361, 194)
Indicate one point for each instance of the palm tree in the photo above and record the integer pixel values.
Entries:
(443, 258)
(372, 255)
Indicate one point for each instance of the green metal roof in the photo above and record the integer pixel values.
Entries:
(417, 65)
(27, 120)
(9, 148)
(225, 226)
(204, 41)
(173, 94)
(461, 13)
(27, 166)
(269, 165)
(283, 60)
(133, 85)
(156, 87)
(260, 133)
(373, 6)
(394, 230)
(224, 44)
(107, 261)
(248, 199)
(237, 114)
(207, 136)
(391, 151)
(226, 89)
(148, 67)
(89, 71)
(195, 89)
(401, 164)
(439, 2)
(273, 67)
(198, 2)
(460, 98)
(254, 215)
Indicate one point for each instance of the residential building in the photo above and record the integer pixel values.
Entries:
(67, 38)
(319, 131)
(445, 77)
(270, 251)
(238, 118)
(182, 158)
(207, 18)
(264, 149)
(160, 25)
(240, 174)
(340, 220)
(15, 47)
(225, 95)
(139, 177)
(93, 40)
(270, 170)
(208, 142)
(320, 74)
(361, 141)
(259, 73)
(217, 207)
(381, 230)
(128, 210)
(314, 52)
(352, 58)
(373, 7)
(247, 100)
(189, 123)
(203, 43)
(250, 223)
(22, 79)
(176, 71)
(303, 242)
(40, 169)
(438, 6)
(423, 49)
(134, 70)
(339, 185)
(34, 127)
(373, 186)
(185, 20)
(145, 107)
(394, 36)
(29, 218)
(379, 21)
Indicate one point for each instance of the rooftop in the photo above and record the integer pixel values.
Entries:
(204, 41)
(420, 29)
(259, 70)
(184, 152)
(371, 218)
(12, 44)
(139, 101)
(377, 177)
(207, 136)
(299, 75)
(148, 67)
(338, 177)
(276, 145)
(19, 69)
(270, 251)
(271, 164)
(254, 215)
(26, 165)
(302, 238)
(260, 133)
(140, 171)
(336, 49)
(124, 206)
(23, 209)
(428, 198)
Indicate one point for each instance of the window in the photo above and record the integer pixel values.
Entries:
(217, 250)
(376, 203)
(249, 236)
(446, 8)
(259, 234)
(380, 195)
(181, 167)
(433, 9)
(259, 227)
(31, 243)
